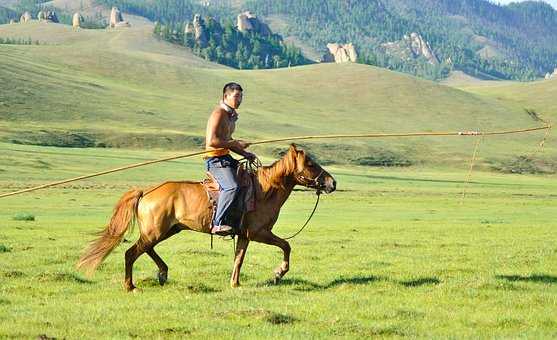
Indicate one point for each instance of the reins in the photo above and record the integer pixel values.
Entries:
(318, 192)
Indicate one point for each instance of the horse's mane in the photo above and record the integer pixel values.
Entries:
(272, 176)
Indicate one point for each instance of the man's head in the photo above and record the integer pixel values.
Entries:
(232, 95)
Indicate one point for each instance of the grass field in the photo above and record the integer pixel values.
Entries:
(394, 252)
(123, 88)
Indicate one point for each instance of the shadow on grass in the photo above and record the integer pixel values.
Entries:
(537, 278)
(305, 285)
(63, 277)
(420, 282)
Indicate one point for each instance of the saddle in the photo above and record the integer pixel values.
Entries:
(244, 201)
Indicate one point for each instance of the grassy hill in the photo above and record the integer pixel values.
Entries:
(538, 95)
(124, 88)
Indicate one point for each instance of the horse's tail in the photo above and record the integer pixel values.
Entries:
(125, 213)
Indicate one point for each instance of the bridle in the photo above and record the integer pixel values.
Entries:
(310, 182)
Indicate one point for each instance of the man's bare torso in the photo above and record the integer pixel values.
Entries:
(225, 126)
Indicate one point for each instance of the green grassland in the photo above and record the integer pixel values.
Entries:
(395, 252)
(124, 88)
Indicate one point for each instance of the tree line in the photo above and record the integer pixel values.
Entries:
(226, 45)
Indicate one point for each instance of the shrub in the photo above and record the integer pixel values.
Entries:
(24, 217)
(525, 165)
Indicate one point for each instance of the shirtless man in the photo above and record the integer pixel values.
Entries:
(219, 162)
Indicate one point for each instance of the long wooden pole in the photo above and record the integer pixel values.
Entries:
(267, 141)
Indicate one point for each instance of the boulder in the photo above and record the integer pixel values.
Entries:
(48, 16)
(77, 19)
(51, 16)
(340, 53)
(116, 19)
(25, 17)
(247, 21)
(421, 47)
(412, 46)
(200, 33)
(188, 29)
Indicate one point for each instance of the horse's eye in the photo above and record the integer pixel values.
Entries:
(310, 164)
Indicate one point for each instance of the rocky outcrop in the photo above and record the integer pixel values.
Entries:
(77, 19)
(340, 53)
(116, 19)
(48, 16)
(200, 33)
(410, 47)
(188, 29)
(25, 17)
(551, 75)
(247, 21)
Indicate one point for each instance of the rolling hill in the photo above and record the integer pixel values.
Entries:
(124, 88)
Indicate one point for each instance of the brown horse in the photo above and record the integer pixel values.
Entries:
(175, 206)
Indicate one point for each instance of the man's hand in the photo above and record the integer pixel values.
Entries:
(250, 156)
(242, 145)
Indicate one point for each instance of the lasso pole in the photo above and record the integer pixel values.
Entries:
(372, 135)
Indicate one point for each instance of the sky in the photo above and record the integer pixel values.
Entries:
(551, 2)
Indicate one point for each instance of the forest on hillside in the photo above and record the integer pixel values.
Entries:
(523, 36)
(226, 45)
(483, 39)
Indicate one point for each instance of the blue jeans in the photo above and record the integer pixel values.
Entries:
(223, 168)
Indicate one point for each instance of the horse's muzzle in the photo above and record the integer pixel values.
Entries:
(329, 184)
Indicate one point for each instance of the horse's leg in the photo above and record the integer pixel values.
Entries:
(267, 237)
(131, 255)
(241, 248)
(163, 268)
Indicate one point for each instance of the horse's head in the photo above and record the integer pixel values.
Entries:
(310, 174)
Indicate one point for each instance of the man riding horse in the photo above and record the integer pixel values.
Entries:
(219, 162)
(173, 206)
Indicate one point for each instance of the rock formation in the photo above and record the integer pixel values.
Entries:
(189, 28)
(247, 21)
(25, 17)
(340, 53)
(48, 16)
(77, 20)
(551, 75)
(421, 47)
(116, 19)
(200, 33)
(412, 46)
(51, 16)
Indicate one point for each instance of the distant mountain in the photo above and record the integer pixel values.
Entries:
(427, 38)
(517, 41)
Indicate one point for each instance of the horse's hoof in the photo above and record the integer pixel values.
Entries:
(234, 284)
(136, 291)
(277, 279)
(163, 277)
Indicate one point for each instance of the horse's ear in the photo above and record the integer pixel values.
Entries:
(292, 148)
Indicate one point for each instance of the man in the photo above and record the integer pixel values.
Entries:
(219, 162)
